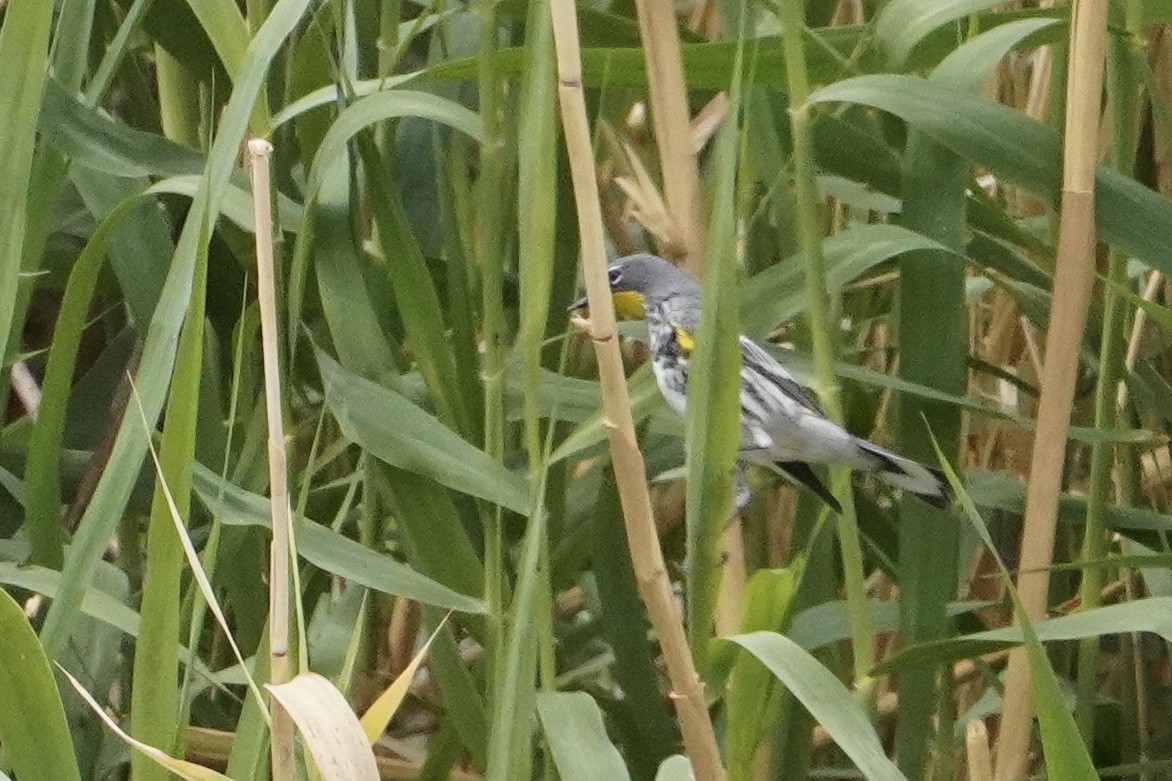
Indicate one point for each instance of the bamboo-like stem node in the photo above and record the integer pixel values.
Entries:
(283, 763)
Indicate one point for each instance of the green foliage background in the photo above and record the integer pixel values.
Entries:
(447, 449)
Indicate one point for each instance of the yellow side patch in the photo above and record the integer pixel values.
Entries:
(687, 344)
(628, 305)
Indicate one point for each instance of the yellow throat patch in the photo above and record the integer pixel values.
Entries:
(628, 304)
(684, 339)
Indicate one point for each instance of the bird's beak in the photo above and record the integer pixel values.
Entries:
(577, 305)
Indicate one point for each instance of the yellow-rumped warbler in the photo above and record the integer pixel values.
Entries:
(782, 426)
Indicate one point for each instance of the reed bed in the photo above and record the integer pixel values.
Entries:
(307, 472)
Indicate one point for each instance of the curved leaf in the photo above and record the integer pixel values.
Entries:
(93, 139)
(1018, 150)
(97, 603)
(1144, 615)
(577, 738)
(827, 700)
(379, 107)
(396, 431)
(329, 551)
(189, 771)
(969, 65)
(775, 295)
(36, 739)
(328, 727)
(902, 24)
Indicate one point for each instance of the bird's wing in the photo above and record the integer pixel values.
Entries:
(759, 362)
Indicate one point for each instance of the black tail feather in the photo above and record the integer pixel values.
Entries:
(801, 473)
(925, 482)
(943, 499)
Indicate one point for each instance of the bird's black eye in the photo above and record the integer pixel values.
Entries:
(615, 276)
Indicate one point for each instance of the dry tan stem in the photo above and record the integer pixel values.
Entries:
(646, 557)
(976, 743)
(707, 121)
(671, 121)
(211, 747)
(25, 386)
(1155, 282)
(727, 618)
(283, 765)
(1073, 283)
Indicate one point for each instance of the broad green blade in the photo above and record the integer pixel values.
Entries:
(577, 738)
(37, 744)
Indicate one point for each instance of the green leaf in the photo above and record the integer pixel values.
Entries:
(1143, 615)
(328, 550)
(775, 295)
(418, 302)
(96, 603)
(646, 727)
(537, 210)
(155, 696)
(437, 542)
(713, 419)
(363, 346)
(577, 738)
(969, 65)
(932, 320)
(767, 604)
(827, 623)
(827, 700)
(396, 431)
(997, 490)
(380, 107)
(158, 355)
(37, 744)
(236, 204)
(1128, 215)
(24, 54)
(1066, 755)
(226, 29)
(94, 140)
(42, 473)
(510, 735)
(902, 24)
(675, 768)
(645, 399)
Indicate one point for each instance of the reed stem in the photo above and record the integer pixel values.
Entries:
(1073, 284)
(283, 764)
(818, 311)
(1123, 95)
(646, 557)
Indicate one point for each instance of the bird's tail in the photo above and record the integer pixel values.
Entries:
(925, 482)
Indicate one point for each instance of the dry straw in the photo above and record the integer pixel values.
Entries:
(673, 127)
(1073, 284)
(283, 766)
(646, 557)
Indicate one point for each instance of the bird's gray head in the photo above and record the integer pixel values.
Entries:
(639, 278)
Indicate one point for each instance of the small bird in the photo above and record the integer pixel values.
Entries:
(782, 426)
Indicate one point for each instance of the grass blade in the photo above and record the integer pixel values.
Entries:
(577, 738)
(37, 743)
(714, 394)
(401, 434)
(117, 482)
(155, 696)
(24, 55)
(825, 698)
